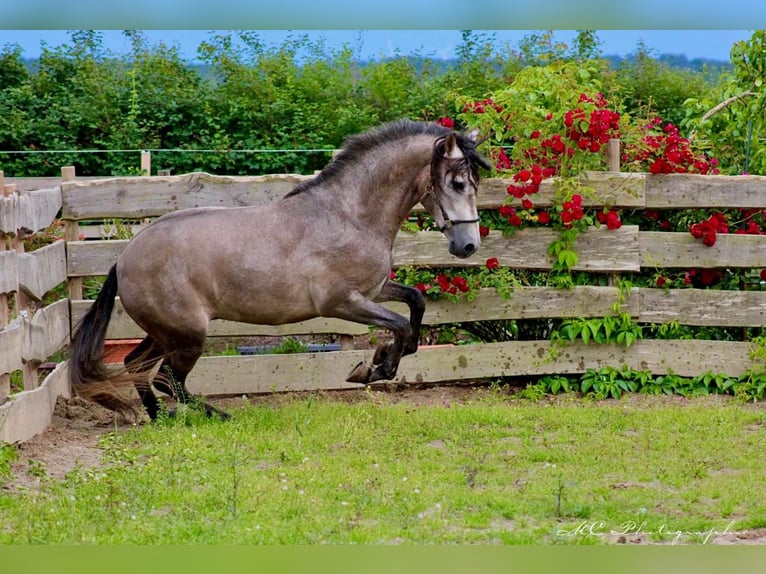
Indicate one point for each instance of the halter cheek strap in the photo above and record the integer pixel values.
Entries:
(448, 223)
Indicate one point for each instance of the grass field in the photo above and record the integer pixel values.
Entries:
(490, 469)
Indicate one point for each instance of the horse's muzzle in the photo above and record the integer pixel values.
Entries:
(463, 249)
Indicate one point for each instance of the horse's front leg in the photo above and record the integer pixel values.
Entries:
(393, 291)
(385, 363)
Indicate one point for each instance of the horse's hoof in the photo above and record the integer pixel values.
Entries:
(378, 374)
(359, 374)
(214, 412)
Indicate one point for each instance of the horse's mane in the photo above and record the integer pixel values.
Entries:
(358, 145)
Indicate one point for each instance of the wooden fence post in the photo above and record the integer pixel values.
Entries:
(146, 163)
(613, 155)
(23, 307)
(72, 233)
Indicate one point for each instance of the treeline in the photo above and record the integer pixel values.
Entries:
(256, 106)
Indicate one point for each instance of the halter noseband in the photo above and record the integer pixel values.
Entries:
(448, 223)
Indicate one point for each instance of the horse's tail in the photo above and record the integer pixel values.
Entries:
(91, 378)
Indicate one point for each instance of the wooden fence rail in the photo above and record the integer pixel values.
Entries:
(30, 332)
(89, 209)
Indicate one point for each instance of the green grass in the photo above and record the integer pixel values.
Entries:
(495, 470)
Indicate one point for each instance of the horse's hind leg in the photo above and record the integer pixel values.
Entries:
(174, 370)
(141, 359)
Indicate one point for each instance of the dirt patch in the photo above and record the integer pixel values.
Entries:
(70, 441)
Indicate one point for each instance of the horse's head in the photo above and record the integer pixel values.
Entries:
(451, 194)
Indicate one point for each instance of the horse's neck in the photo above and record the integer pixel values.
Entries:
(392, 182)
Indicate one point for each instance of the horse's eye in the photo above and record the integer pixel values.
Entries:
(458, 185)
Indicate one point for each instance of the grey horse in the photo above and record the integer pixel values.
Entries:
(325, 249)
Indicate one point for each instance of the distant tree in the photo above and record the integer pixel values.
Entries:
(648, 86)
(730, 120)
(13, 72)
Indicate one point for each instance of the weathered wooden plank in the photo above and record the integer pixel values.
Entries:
(599, 250)
(93, 258)
(30, 211)
(599, 188)
(266, 373)
(9, 213)
(139, 197)
(690, 358)
(528, 303)
(30, 412)
(33, 183)
(47, 332)
(703, 307)
(11, 341)
(314, 371)
(681, 250)
(681, 191)
(121, 326)
(9, 272)
(38, 208)
(43, 269)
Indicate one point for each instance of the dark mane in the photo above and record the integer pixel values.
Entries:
(358, 145)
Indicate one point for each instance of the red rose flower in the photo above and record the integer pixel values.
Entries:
(461, 284)
(506, 210)
(613, 220)
(492, 263)
(523, 175)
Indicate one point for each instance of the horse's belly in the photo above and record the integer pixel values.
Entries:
(264, 312)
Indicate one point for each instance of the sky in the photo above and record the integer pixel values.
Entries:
(375, 43)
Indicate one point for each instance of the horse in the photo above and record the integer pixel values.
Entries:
(324, 249)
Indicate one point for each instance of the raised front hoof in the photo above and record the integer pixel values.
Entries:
(360, 374)
(364, 374)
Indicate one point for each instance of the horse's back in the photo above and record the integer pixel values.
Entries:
(264, 265)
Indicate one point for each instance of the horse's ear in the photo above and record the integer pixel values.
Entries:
(473, 135)
(451, 149)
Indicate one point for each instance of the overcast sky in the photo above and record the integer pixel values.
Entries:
(715, 44)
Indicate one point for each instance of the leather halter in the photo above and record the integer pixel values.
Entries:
(448, 223)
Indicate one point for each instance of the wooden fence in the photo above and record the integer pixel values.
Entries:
(602, 251)
(30, 333)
